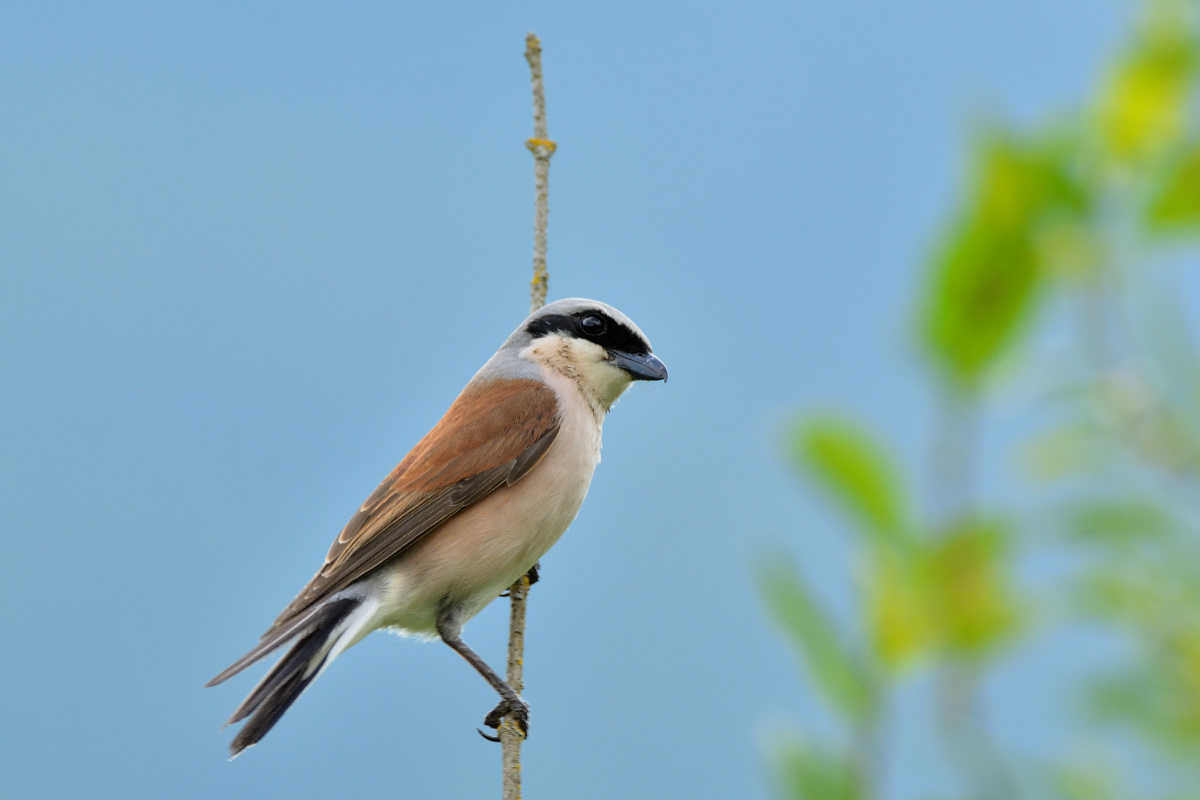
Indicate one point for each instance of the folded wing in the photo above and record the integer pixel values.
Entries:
(491, 437)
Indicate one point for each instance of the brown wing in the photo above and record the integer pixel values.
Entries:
(492, 435)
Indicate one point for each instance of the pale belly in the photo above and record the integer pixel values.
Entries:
(479, 553)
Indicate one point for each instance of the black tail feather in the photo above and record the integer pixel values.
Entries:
(271, 641)
(285, 681)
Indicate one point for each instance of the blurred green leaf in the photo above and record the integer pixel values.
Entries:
(1071, 249)
(1119, 522)
(1159, 699)
(837, 673)
(898, 611)
(986, 287)
(1118, 597)
(1062, 451)
(1144, 102)
(816, 773)
(968, 580)
(1091, 781)
(1125, 698)
(1176, 207)
(1159, 600)
(987, 274)
(856, 471)
(1149, 700)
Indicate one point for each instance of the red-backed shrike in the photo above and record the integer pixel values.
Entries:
(467, 512)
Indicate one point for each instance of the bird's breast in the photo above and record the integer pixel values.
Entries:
(484, 549)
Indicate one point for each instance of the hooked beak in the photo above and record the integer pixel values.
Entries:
(644, 367)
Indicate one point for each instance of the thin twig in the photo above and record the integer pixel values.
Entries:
(510, 735)
(958, 691)
(953, 458)
(542, 148)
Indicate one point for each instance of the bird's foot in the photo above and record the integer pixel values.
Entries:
(517, 709)
(532, 575)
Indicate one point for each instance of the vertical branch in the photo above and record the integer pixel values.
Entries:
(953, 456)
(510, 735)
(866, 754)
(542, 148)
(958, 688)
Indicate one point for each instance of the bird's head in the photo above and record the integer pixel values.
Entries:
(592, 343)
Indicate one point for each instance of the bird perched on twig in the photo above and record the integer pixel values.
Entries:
(468, 511)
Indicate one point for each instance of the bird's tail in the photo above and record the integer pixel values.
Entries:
(334, 627)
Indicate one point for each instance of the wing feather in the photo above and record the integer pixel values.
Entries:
(493, 434)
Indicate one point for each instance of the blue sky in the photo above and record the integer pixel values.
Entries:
(248, 255)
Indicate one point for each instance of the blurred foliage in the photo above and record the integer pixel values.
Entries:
(988, 274)
(842, 679)
(1176, 204)
(1158, 695)
(921, 594)
(1144, 102)
(809, 771)
(856, 471)
(968, 580)
(1057, 229)
(896, 607)
(1118, 523)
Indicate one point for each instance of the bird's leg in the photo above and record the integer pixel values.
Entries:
(510, 703)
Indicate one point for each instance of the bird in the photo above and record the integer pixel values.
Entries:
(471, 508)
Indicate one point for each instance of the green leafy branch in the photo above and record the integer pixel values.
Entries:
(1068, 214)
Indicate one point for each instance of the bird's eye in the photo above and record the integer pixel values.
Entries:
(593, 324)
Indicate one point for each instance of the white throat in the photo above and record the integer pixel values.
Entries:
(598, 380)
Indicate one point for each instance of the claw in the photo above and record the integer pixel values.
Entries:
(488, 736)
(519, 713)
(496, 715)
